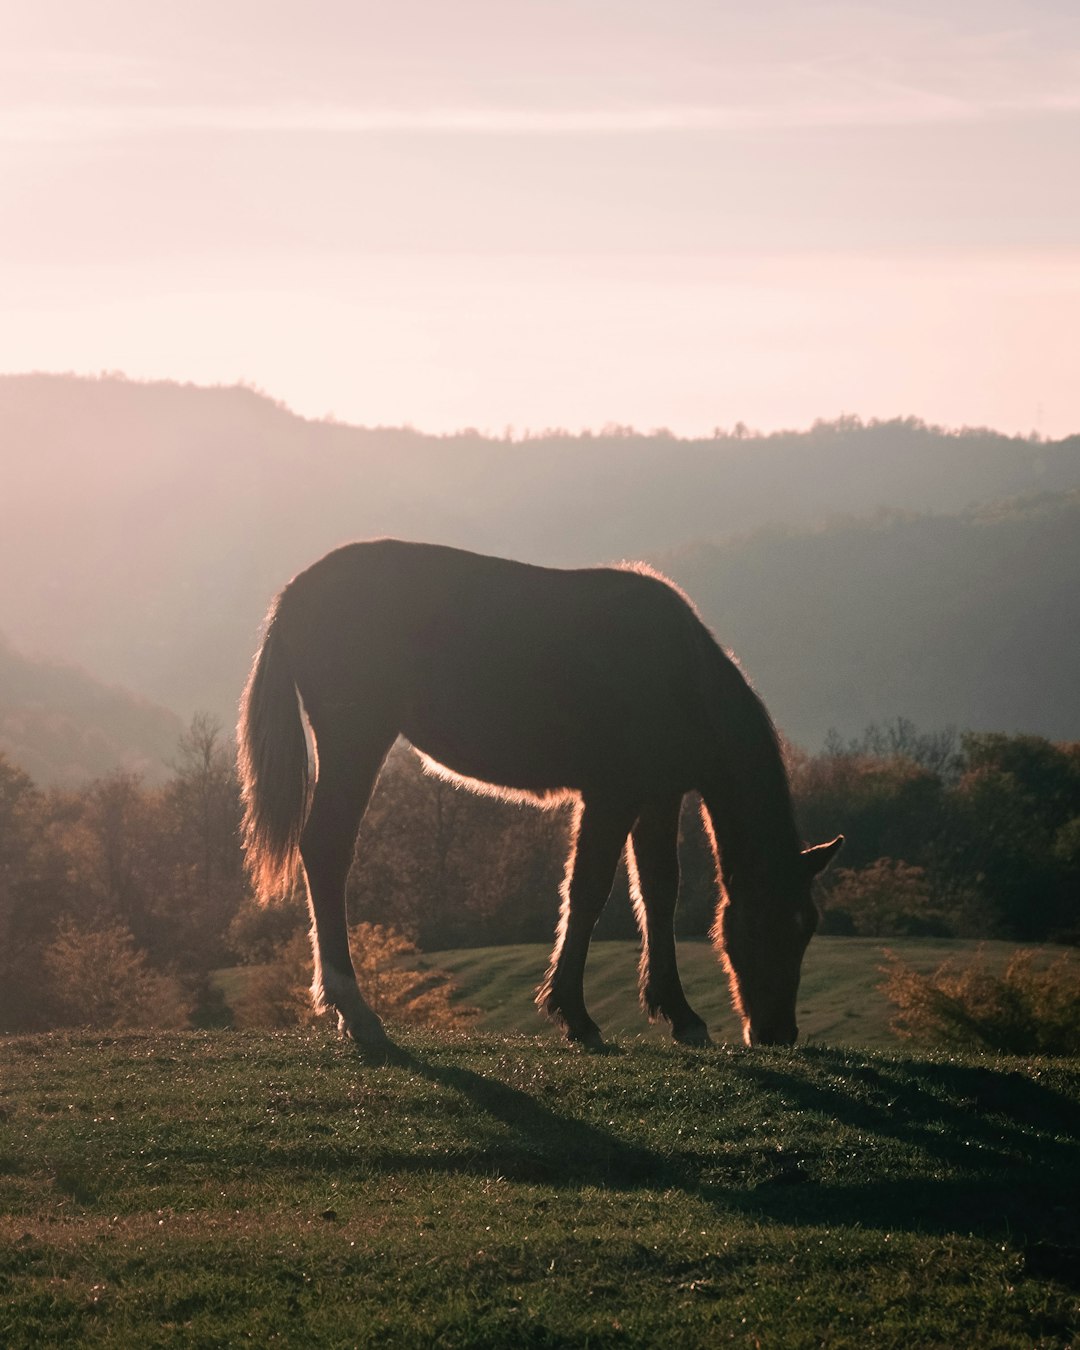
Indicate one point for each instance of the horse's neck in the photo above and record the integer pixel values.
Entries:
(748, 798)
(754, 831)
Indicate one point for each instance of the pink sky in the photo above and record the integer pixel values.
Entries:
(683, 213)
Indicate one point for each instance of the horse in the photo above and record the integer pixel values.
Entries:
(601, 685)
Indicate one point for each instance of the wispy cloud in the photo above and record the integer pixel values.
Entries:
(659, 69)
(52, 123)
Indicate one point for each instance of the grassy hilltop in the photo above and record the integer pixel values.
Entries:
(215, 1188)
(840, 996)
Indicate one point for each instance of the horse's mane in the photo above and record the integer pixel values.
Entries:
(754, 787)
(757, 816)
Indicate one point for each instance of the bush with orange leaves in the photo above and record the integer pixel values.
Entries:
(98, 978)
(1028, 1008)
(391, 972)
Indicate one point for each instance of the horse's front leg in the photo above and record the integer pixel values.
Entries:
(655, 885)
(600, 831)
(347, 775)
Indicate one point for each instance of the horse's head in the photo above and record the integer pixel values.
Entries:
(762, 932)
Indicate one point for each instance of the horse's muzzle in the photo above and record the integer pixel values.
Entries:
(786, 1035)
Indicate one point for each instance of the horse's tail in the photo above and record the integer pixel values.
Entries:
(273, 765)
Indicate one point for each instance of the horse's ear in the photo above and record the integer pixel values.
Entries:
(816, 859)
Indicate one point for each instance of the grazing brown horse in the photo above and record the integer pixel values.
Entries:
(601, 684)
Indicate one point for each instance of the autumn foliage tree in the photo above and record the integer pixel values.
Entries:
(147, 878)
(35, 890)
(994, 824)
(887, 898)
(445, 866)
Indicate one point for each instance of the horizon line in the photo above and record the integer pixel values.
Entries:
(612, 429)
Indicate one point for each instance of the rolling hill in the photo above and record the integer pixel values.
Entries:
(840, 999)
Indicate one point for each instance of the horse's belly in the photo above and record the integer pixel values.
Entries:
(545, 745)
(503, 756)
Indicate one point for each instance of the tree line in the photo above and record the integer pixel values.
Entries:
(120, 899)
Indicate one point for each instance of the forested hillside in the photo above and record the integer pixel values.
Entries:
(967, 620)
(65, 727)
(148, 525)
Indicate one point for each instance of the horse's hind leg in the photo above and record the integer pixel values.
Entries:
(601, 830)
(348, 768)
(655, 882)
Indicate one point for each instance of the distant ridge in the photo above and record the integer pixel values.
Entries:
(970, 620)
(147, 526)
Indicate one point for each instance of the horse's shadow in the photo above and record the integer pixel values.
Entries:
(540, 1144)
(999, 1151)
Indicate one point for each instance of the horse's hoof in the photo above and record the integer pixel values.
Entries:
(375, 1052)
(369, 1040)
(696, 1036)
(590, 1041)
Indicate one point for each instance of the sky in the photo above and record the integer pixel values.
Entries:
(535, 213)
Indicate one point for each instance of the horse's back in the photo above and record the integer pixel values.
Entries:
(531, 677)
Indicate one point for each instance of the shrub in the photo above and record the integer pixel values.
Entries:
(390, 970)
(98, 978)
(258, 932)
(1028, 1008)
(277, 993)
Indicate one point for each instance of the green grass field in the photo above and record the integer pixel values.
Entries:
(840, 1002)
(224, 1188)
